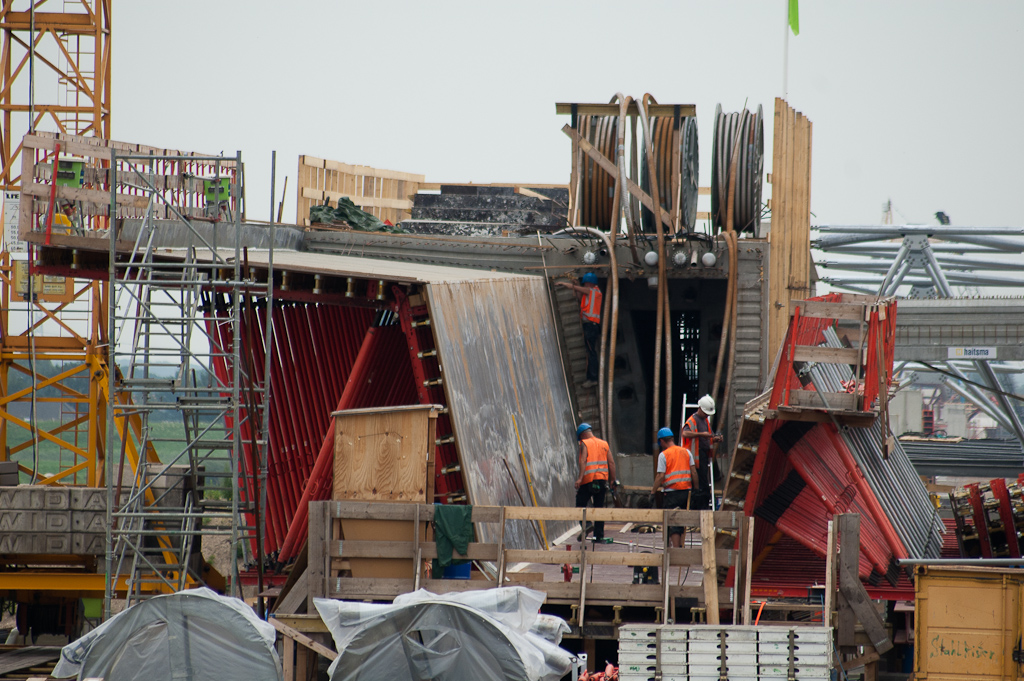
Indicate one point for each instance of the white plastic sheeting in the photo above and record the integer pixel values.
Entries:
(194, 635)
(421, 636)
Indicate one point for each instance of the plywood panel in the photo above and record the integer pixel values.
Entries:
(381, 455)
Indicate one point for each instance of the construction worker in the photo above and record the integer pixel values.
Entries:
(698, 437)
(675, 473)
(597, 471)
(590, 314)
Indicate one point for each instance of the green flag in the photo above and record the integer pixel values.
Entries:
(794, 17)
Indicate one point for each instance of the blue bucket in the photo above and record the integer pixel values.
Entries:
(457, 571)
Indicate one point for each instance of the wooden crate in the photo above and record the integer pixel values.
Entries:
(387, 194)
(384, 455)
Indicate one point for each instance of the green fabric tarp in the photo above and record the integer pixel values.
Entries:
(350, 214)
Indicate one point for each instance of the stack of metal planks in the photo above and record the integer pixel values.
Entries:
(711, 653)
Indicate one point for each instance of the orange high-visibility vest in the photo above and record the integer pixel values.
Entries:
(677, 468)
(596, 466)
(693, 443)
(590, 306)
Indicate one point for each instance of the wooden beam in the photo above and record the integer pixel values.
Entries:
(609, 167)
(815, 353)
(813, 399)
(299, 637)
(822, 310)
(707, 538)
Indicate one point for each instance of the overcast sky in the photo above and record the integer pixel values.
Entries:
(919, 102)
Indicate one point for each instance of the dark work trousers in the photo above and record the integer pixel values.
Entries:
(676, 498)
(592, 341)
(596, 491)
(701, 500)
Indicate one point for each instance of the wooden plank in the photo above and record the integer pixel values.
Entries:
(394, 511)
(749, 561)
(91, 196)
(307, 624)
(813, 399)
(297, 636)
(857, 596)
(707, 538)
(814, 353)
(830, 574)
(563, 592)
(288, 661)
(609, 167)
(368, 171)
(857, 419)
(319, 534)
(722, 519)
(823, 310)
(848, 528)
(297, 597)
(400, 549)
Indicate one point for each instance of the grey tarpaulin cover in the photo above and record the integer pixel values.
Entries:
(194, 635)
(474, 635)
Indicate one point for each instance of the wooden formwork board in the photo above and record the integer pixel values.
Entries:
(387, 194)
(174, 182)
(790, 265)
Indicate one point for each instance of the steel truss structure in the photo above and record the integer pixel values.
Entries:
(930, 260)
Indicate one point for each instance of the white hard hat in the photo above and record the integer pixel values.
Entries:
(707, 405)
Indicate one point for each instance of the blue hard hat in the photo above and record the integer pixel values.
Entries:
(665, 432)
(589, 278)
(584, 427)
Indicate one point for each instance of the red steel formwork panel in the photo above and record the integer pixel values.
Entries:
(381, 376)
(804, 471)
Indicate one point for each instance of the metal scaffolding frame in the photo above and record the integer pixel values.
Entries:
(174, 325)
(931, 269)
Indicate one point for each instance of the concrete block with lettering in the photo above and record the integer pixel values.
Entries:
(34, 543)
(37, 498)
(17, 520)
(88, 544)
(89, 499)
(89, 522)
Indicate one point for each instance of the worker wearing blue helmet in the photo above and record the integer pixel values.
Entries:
(597, 471)
(676, 472)
(590, 315)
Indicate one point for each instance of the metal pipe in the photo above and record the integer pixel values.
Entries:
(660, 323)
(965, 562)
(976, 398)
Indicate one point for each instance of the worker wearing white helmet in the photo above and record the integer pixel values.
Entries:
(698, 437)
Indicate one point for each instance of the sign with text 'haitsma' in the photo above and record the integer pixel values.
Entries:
(971, 353)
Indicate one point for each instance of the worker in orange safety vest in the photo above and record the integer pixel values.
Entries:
(590, 315)
(698, 437)
(597, 472)
(676, 472)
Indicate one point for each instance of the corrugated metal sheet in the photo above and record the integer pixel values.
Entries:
(500, 359)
